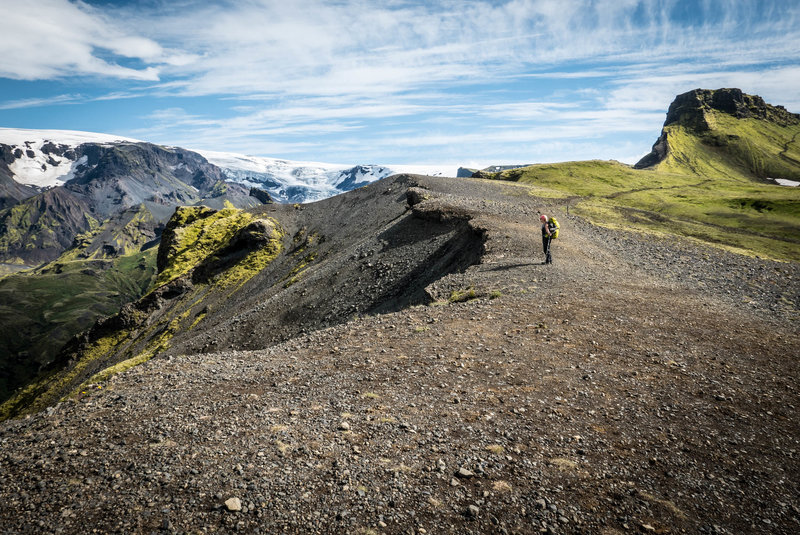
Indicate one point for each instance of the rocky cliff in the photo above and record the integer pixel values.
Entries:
(696, 111)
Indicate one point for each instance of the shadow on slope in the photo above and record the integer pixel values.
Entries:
(268, 275)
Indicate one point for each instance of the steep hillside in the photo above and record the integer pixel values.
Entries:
(85, 208)
(232, 278)
(43, 309)
(705, 179)
(638, 384)
(726, 133)
(74, 187)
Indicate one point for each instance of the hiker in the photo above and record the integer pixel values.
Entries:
(549, 232)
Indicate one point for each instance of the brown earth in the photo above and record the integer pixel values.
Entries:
(636, 385)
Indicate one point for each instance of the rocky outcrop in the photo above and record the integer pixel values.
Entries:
(263, 196)
(690, 110)
(11, 192)
(656, 154)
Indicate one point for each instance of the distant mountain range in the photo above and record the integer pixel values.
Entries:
(55, 185)
(290, 181)
(37, 160)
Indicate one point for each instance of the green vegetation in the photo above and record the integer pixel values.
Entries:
(197, 233)
(121, 235)
(709, 188)
(231, 246)
(46, 390)
(460, 296)
(40, 310)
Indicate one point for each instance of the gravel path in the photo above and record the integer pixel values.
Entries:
(634, 386)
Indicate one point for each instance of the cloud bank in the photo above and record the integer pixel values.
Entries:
(405, 78)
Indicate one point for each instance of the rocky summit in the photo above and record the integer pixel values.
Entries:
(424, 372)
(706, 115)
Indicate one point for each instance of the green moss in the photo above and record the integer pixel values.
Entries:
(220, 188)
(49, 389)
(295, 274)
(252, 264)
(198, 237)
(460, 296)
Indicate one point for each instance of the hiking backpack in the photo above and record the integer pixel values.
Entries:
(554, 227)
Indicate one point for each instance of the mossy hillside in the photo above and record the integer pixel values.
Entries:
(236, 247)
(726, 209)
(36, 223)
(43, 308)
(741, 149)
(49, 388)
(120, 235)
(194, 234)
(187, 312)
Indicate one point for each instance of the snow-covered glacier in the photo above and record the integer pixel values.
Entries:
(289, 181)
(43, 159)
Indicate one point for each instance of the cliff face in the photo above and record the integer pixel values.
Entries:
(690, 109)
(693, 110)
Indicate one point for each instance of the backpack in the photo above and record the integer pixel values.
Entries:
(554, 227)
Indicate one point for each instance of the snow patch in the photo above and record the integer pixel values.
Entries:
(785, 182)
(43, 171)
(19, 137)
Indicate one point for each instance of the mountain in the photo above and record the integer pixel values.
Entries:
(69, 183)
(397, 358)
(89, 208)
(726, 132)
(300, 182)
(718, 174)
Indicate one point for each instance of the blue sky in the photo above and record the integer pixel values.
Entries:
(392, 82)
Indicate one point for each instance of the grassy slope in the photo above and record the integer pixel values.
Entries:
(710, 189)
(202, 238)
(40, 310)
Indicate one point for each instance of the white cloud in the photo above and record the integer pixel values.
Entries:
(37, 102)
(506, 76)
(50, 39)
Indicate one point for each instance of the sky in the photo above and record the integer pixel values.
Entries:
(472, 83)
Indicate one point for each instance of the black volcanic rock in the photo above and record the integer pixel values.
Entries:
(263, 196)
(656, 154)
(11, 192)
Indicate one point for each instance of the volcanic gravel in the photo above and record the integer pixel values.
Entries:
(636, 385)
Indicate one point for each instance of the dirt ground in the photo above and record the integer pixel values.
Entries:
(636, 385)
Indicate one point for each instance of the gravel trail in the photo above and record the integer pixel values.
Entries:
(637, 385)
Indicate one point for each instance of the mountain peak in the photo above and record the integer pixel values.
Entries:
(690, 108)
(723, 119)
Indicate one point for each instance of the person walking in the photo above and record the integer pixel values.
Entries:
(549, 232)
